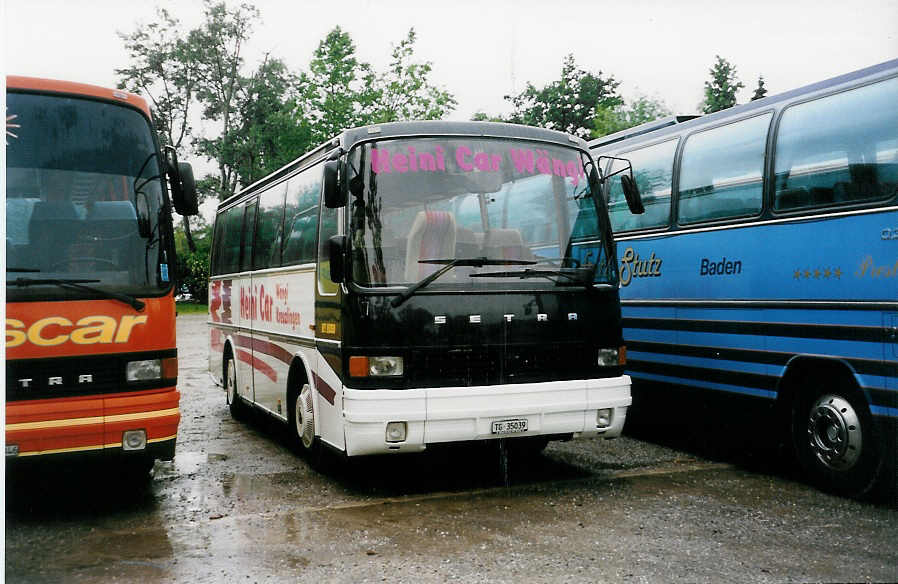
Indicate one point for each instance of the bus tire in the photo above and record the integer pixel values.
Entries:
(302, 420)
(833, 436)
(235, 403)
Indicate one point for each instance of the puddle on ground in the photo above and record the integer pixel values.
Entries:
(187, 463)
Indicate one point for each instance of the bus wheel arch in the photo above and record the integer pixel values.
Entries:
(301, 410)
(830, 428)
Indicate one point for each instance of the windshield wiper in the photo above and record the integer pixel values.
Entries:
(79, 285)
(528, 273)
(31, 270)
(452, 263)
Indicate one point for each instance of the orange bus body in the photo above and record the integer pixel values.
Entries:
(91, 422)
(50, 341)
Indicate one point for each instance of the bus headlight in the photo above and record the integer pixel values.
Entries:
(376, 366)
(134, 440)
(396, 431)
(147, 370)
(152, 369)
(612, 357)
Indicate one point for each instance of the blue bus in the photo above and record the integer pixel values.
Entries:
(766, 266)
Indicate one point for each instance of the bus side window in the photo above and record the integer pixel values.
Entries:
(653, 171)
(228, 228)
(249, 228)
(840, 149)
(722, 169)
(300, 217)
(270, 228)
(327, 230)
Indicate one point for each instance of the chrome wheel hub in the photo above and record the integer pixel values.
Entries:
(303, 417)
(231, 382)
(834, 432)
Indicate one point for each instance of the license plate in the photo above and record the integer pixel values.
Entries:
(12, 450)
(509, 426)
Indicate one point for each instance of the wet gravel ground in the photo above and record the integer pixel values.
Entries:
(237, 505)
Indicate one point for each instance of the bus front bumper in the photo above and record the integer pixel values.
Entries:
(92, 425)
(588, 407)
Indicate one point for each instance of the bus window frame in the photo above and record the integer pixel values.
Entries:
(676, 223)
(606, 190)
(246, 263)
(320, 245)
(771, 171)
(344, 217)
(279, 242)
(311, 167)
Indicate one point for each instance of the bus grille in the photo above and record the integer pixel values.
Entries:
(501, 365)
(28, 379)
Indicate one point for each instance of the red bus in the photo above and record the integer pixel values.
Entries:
(91, 361)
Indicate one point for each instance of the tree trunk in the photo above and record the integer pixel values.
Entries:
(190, 244)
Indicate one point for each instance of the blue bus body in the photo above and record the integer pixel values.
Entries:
(766, 265)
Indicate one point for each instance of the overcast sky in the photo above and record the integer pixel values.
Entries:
(483, 50)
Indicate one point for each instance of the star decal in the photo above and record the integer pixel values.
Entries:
(10, 124)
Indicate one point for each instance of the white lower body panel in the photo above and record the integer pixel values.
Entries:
(455, 414)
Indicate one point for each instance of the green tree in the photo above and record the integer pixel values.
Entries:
(216, 47)
(339, 90)
(270, 132)
(160, 71)
(569, 104)
(760, 90)
(193, 264)
(485, 117)
(404, 90)
(720, 90)
(641, 110)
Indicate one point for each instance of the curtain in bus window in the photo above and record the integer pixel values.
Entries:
(839, 150)
(722, 169)
(270, 228)
(653, 171)
(301, 216)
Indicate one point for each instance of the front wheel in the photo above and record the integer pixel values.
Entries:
(235, 405)
(833, 439)
(302, 420)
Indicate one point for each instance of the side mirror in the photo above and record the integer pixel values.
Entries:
(334, 197)
(183, 185)
(183, 188)
(143, 215)
(631, 193)
(336, 248)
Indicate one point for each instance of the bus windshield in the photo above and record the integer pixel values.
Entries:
(494, 211)
(78, 171)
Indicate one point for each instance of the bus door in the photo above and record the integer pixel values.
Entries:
(248, 303)
(271, 358)
(328, 334)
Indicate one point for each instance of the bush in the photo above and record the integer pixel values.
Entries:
(193, 274)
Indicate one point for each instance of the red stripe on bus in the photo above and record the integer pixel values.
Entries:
(264, 347)
(326, 391)
(258, 365)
